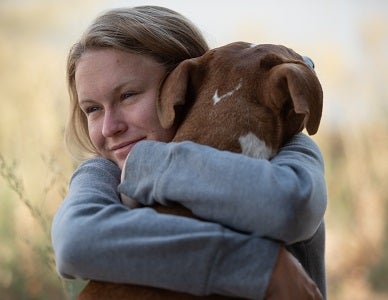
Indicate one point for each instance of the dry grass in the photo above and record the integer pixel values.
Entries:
(357, 245)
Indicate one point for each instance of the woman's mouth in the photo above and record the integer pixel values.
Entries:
(121, 150)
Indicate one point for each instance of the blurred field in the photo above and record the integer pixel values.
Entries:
(35, 167)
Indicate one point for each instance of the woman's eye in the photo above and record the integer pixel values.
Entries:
(126, 95)
(91, 109)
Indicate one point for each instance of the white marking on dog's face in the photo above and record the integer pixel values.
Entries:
(254, 147)
(217, 98)
(252, 45)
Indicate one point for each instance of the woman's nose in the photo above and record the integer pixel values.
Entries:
(113, 123)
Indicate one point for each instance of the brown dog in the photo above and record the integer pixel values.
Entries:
(240, 97)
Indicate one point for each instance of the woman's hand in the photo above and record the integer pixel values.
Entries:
(290, 281)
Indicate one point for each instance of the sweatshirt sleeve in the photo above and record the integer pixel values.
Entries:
(283, 199)
(96, 237)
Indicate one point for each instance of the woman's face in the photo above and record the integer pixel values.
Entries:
(117, 91)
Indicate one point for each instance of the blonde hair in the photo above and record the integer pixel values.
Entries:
(158, 32)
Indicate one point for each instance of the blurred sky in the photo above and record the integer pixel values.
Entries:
(280, 20)
(347, 39)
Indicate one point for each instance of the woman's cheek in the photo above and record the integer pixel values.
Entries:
(95, 136)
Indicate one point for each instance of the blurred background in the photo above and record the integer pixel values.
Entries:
(348, 41)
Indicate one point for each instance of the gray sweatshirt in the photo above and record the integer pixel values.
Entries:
(251, 207)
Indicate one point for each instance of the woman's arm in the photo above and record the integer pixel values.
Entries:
(283, 199)
(96, 237)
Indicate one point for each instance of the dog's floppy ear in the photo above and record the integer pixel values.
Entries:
(174, 91)
(298, 83)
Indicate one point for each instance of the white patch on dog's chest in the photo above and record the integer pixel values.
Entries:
(254, 147)
(217, 98)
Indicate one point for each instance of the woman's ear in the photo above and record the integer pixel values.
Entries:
(298, 84)
(174, 91)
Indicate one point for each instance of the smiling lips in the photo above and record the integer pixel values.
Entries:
(124, 147)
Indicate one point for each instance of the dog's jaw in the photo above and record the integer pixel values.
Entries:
(254, 147)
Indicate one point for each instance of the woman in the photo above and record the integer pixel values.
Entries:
(114, 73)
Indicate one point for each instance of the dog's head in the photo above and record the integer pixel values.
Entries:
(242, 89)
